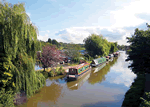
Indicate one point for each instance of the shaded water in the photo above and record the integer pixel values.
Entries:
(103, 88)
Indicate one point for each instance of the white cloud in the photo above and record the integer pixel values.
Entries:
(121, 22)
(126, 17)
(43, 38)
(78, 34)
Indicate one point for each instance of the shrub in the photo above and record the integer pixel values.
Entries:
(146, 101)
(6, 98)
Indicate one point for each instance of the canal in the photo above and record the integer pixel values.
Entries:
(98, 88)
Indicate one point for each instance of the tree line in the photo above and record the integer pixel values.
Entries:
(98, 45)
(139, 55)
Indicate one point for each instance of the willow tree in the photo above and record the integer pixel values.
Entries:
(97, 45)
(18, 46)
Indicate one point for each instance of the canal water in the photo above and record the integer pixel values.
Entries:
(98, 88)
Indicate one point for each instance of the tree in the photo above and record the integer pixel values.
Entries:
(113, 47)
(49, 57)
(96, 45)
(18, 46)
(49, 40)
(54, 42)
(140, 51)
(73, 52)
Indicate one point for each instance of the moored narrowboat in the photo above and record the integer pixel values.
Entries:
(111, 56)
(98, 61)
(78, 71)
(116, 54)
(99, 68)
(77, 84)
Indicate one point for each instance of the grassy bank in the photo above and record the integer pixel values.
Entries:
(52, 72)
(132, 96)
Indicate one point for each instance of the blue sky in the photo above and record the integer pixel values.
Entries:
(74, 20)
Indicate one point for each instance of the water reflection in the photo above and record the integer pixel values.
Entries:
(98, 77)
(120, 73)
(47, 96)
(74, 85)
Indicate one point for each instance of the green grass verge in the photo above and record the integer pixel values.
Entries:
(52, 73)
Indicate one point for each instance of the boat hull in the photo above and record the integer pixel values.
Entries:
(76, 77)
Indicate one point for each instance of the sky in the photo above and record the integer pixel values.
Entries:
(74, 20)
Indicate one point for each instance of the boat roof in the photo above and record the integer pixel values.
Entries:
(80, 65)
(96, 60)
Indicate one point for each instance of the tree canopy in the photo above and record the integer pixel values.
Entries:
(49, 56)
(98, 45)
(140, 51)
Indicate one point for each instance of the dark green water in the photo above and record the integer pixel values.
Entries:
(103, 88)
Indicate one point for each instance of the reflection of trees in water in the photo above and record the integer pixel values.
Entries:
(61, 77)
(47, 95)
(100, 75)
(52, 93)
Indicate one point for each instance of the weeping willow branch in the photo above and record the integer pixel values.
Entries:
(18, 47)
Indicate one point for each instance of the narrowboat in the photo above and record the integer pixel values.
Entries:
(111, 56)
(111, 59)
(75, 85)
(116, 54)
(98, 61)
(99, 68)
(78, 71)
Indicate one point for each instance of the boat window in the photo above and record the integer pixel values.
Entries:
(71, 70)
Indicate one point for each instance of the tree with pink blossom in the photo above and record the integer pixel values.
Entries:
(49, 57)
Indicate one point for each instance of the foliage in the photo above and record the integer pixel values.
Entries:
(6, 98)
(121, 47)
(18, 46)
(98, 45)
(132, 96)
(53, 72)
(54, 42)
(57, 71)
(146, 101)
(49, 57)
(73, 53)
(140, 51)
(113, 47)
(49, 40)
(88, 57)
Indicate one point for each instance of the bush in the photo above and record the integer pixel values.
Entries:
(146, 101)
(45, 74)
(76, 59)
(6, 98)
(60, 71)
